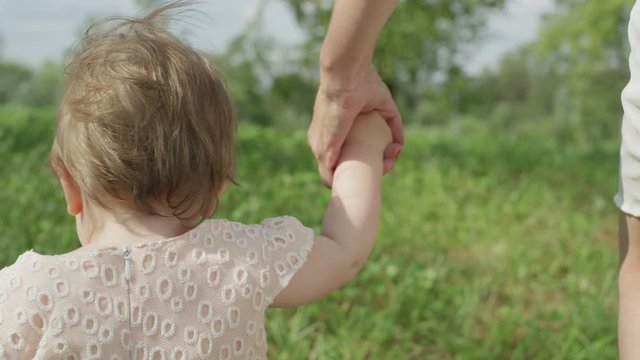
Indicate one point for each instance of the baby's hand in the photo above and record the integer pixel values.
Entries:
(369, 131)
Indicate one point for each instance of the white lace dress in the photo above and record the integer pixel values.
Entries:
(628, 197)
(199, 296)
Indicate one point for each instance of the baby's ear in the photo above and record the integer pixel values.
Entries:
(72, 193)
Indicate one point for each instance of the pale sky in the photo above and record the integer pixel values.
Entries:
(36, 30)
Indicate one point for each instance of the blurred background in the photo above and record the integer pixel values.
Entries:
(498, 237)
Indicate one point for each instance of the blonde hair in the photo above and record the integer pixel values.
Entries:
(145, 119)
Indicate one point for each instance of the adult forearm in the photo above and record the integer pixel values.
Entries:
(629, 318)
(352, 35)
(629, 288)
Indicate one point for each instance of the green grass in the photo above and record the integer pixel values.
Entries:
(492, 246)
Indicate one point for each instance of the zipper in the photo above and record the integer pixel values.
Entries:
(127, 264)
(128, 272)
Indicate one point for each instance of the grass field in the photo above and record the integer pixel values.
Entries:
(492, 246)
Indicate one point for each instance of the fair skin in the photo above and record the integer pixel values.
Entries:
(629, 287)
(339, 251)
(98, 227)
(348, 84)
(351, 221)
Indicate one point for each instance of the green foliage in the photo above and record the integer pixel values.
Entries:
(521, 89)
(571, 75)
(14, 81)
(581, 35)
(45, 86)
(586, 44)
(25, 141)
(418, 48)
(247, 68)
(268, 84)
(569, 79)
(491, 244)
(21, 85)
(498, 231)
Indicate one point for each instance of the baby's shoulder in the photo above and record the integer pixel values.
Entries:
(31, 275)
(266, 227)
(28, 291)
(270, 251)
(269, 235)
(26, 267)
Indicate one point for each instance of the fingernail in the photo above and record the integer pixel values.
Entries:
(398, 152)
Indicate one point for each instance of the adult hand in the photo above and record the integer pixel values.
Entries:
(336, 107)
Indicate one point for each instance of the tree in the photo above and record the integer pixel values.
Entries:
(571, 76)
(14, 81)
(419, 47)
(585, 42)
(45, 85)
(585, 35)
(267, 82)
(39, 87)
(521, 89)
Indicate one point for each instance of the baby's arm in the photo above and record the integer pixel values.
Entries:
(351, 221)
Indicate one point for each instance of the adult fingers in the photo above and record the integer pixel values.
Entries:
(328, 130)
(397, 129)
(387, 108)
(389, 111)
(326, 174)
(387, 166)
(391, 153)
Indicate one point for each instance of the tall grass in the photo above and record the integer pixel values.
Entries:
(492, 246)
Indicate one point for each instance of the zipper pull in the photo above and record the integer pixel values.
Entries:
(127, 263)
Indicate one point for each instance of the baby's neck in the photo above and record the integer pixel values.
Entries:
(110, 230)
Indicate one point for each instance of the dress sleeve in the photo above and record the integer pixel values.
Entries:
(285, 249)
(22, 320)
(628, 197)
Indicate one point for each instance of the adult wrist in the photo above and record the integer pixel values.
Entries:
(338, 73)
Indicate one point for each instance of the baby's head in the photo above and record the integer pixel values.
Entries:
(145, 123)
